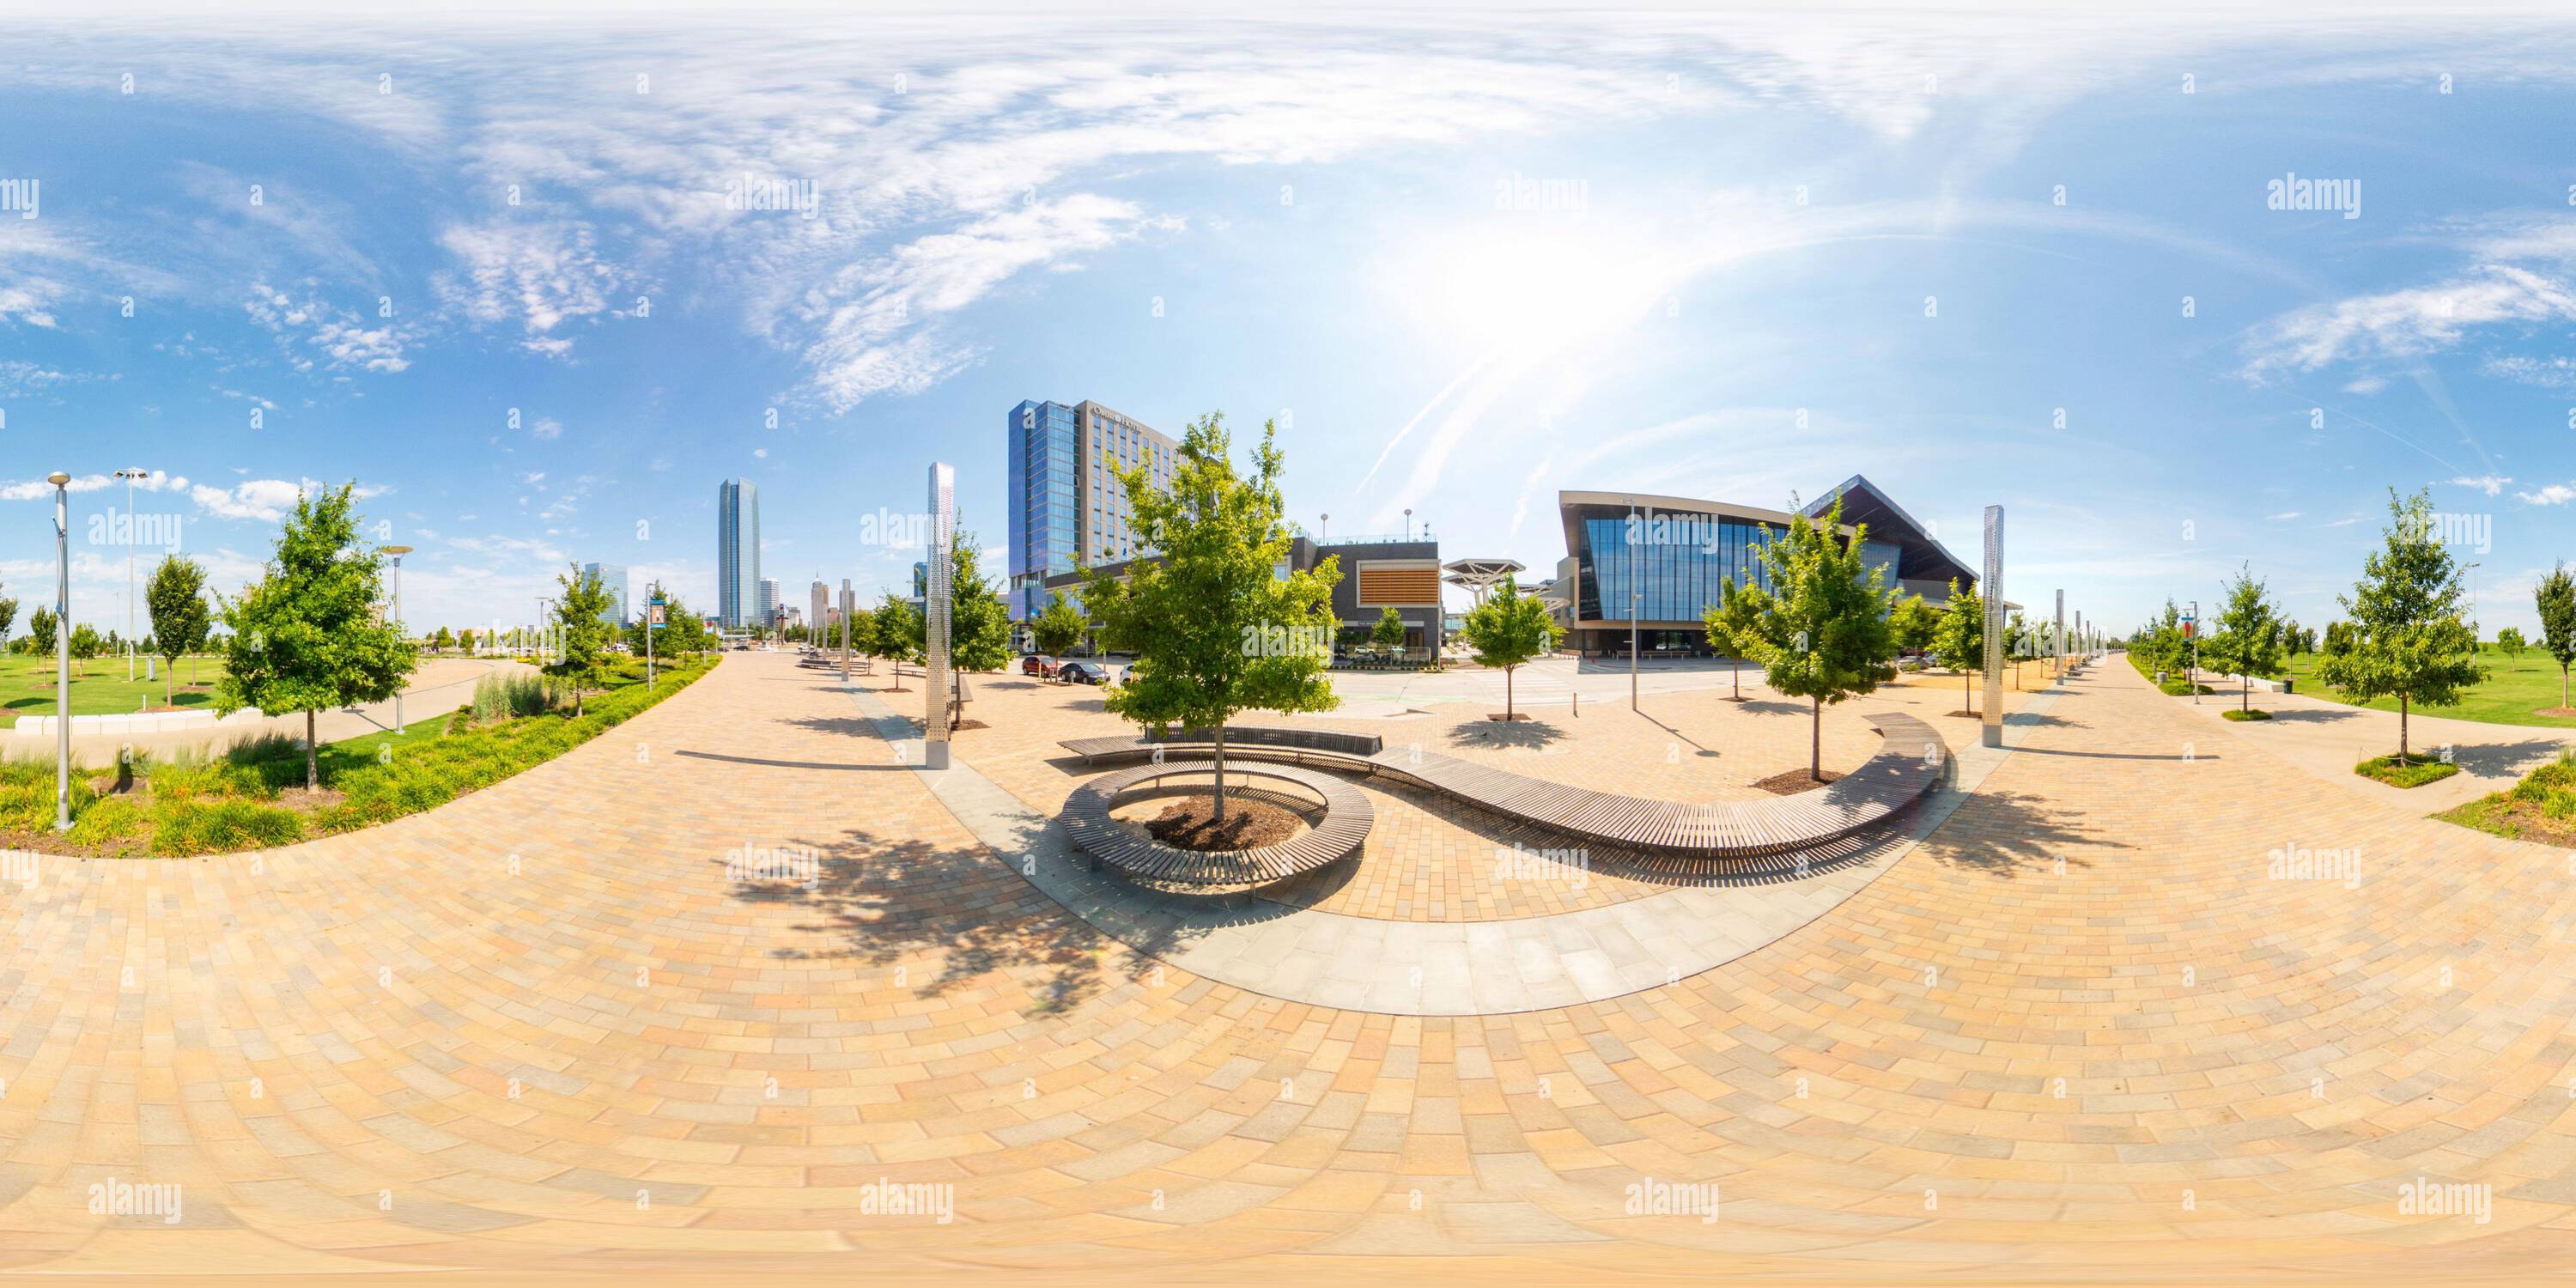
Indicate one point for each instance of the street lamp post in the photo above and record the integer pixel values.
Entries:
(1632, 603)
(62, 651)
(2473, 603)
(1328, 529)
(398, 552)
(129, 476)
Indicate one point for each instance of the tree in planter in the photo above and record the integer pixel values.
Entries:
(305, 635)
(898, 636)
(1913, 622)
(1960, 644)
(2556, 595)
(2248, 638)
(1217, 630)
(1387, 633)
(1058, 627)
(2408, 639)
(2511, 643)
(1820, 628)
(979, 622)
(1506, 631)
(582, 633)
(176, 597)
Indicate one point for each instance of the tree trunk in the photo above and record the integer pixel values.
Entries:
(1507, 693)
(1220, 774)
(312, 757)
(1816, 740)
(2245, 693)
(1736, 673)
(1967, 692)
(2401, 731)
(2562, 687)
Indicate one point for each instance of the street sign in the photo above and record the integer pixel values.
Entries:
(654, 616)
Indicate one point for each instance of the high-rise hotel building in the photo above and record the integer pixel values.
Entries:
(737, 553)
(1064, 502)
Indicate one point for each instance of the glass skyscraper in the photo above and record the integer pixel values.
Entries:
(1064, 502)
(737, 553)
(612, 578)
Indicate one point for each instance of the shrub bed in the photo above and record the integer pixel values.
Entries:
(2413, 773)
(2247, 713)
(2541, 807)
(252, 797)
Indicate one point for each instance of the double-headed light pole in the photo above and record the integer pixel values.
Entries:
(130, 476)
(62, 650)
(397, 552)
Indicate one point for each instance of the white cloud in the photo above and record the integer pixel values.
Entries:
(547, 427)
(39, 489)
(2553, 494)
(265, 500)
(2286, 515)
(337, 333)
(2487, 483)
(538, 274)
(2518, 275)
(2366, 386)
(2555, 374)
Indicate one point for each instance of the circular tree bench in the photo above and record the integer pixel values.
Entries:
(1345, 827)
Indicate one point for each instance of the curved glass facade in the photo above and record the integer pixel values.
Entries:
(1675, 564)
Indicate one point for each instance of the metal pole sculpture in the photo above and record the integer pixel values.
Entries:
(934, 617)
(1992, 730)
(62, 651)
(2057, 643)
(846, 607)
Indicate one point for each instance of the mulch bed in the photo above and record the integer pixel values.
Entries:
(1793, 782)
(1497, 716)
(2563, 713)
(1966, 715)
(1188, 824)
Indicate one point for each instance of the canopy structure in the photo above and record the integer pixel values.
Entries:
(1480, 576)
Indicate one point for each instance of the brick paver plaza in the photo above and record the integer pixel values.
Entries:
(597, 1019)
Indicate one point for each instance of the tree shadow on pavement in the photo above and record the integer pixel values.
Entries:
(2012, 835)
(894, 902)
(1520, 735)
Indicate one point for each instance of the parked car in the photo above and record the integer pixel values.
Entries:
(1084, 673)
(1040, 665)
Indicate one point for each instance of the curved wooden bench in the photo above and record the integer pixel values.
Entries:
(1347, 818)
(1911, 759)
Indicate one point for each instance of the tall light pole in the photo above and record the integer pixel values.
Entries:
(129, 476)
(398, 552)
(1408, 523)
(1328, 530)
(62, 650)
(2473, 604)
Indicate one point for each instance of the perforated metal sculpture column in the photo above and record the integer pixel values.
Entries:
(934, 618)
(1992, 733)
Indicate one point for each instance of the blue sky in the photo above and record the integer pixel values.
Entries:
(1467, 258)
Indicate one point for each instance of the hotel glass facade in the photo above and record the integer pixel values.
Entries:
(613, 579)
(1065, 503)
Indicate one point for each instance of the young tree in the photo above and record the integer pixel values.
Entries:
(8, 617)
(176, 596)
(1820, 629)
(465, 641)
(2557, 600)
(41, 625)
(1506, 631)
(1721, 620)
(2408, 639)
(897, 636)
(2248, 638)
(1218, 630)
(1912, 622)
(1961, 641)
(86, 643)
(979, 622)
(2511, 642)
(305, 636)
(443, 641)
(582, 633)
(1102, 598)
(1057, 627)
(1388, 633)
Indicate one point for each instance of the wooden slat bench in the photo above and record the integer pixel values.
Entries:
(1909, 762)
(1344, 829)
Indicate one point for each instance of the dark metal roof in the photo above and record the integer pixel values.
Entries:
(1924, 559)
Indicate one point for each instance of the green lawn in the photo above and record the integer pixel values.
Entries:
(99, 686)
(2513, 693)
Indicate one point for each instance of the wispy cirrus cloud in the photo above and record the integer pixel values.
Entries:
(2519, 274)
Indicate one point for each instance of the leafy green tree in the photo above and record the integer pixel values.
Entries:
(1721, 624)
(443, 641)
(1960, 644)
(1218, 630)
(2510, 640)
(176, 597)
(86, 643)
(2556, 595)
(1912, 622)
(2248, 639)
(1103, 596)
(2409, 640)
(8, 617)
(1506, 631)
(2338, 638)
(1058, 626)
(2292, 639)
(41, 625)
(582, 633)
(897, 637)
(1388, 633)
(305, 635)
(979, 621)
(465, 641)
(1820, 628)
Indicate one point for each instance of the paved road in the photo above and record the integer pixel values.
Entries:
(2086, 1029)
